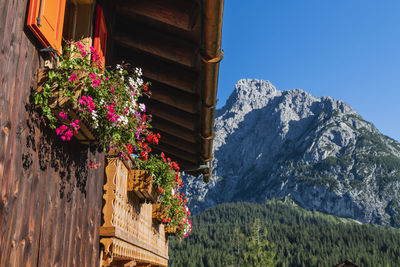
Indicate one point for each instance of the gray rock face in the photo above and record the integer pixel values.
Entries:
(317, 151)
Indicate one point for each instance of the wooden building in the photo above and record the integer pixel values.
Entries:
(54, 211)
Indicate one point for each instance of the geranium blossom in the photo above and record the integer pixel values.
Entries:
(81, 48)
(63, 115)
(73, 78)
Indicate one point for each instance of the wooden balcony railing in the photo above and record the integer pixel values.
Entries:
(128, 232)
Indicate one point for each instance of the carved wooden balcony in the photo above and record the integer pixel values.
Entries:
(128, 232)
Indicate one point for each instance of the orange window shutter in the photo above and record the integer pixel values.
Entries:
(46, 19)
(100, 35)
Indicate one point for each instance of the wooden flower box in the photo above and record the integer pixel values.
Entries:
(60, 102)
(141, 184)
(158, 215)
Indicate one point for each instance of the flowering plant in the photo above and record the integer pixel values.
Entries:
(167, 180)
(104, 99)
(178, 215)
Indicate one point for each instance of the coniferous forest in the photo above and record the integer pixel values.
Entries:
(282, 234)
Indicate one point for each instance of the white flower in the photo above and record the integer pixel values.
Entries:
(138, 72)
(142, 107)
(123, 120)
(119, 67)
(94, 115)
(132, 82)
(139, 82)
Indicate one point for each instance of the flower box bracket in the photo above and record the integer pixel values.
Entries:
(170, 230)
(158, 215)
(141, 183)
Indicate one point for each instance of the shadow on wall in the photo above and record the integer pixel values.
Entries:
(45, 151)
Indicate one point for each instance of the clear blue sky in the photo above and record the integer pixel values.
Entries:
(346, 49)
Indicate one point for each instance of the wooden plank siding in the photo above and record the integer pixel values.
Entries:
(50, 202)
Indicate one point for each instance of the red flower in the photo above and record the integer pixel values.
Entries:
(143, 156)
(160, 190)
(130, 148)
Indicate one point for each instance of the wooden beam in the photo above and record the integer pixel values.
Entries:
(184, 163)
(175, 130)
(176, 98)
(178, 13)
(171, 114)
(151, 42)
(174, 141)
(159, 70)
(170, 150)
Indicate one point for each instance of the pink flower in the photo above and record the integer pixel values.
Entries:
(80, 45)
(92, 76)
(87, 102)
(81, 49)
(60, 130)
(75, 125)
(68, 134)
(93, 50)
(96, 83)
(95, 55)
(73, 78)
(63, 115)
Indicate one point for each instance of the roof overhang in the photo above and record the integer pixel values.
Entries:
(177, 43)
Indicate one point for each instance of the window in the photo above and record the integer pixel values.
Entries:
(45, 19)
(53, 21)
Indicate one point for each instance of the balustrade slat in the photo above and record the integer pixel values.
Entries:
(128, 223)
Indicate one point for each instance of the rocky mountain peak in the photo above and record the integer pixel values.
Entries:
(318, 151)
(249, 94)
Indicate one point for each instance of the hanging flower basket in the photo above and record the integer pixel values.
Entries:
(141, 183)
(158, 213)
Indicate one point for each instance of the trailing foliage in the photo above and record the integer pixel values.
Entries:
(167, 180)
(299, 238)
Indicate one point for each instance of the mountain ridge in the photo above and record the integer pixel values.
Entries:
(318, 151)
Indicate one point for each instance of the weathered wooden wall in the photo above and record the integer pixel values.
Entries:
(50, 202)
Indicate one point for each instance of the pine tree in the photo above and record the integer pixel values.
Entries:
(259, 251)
